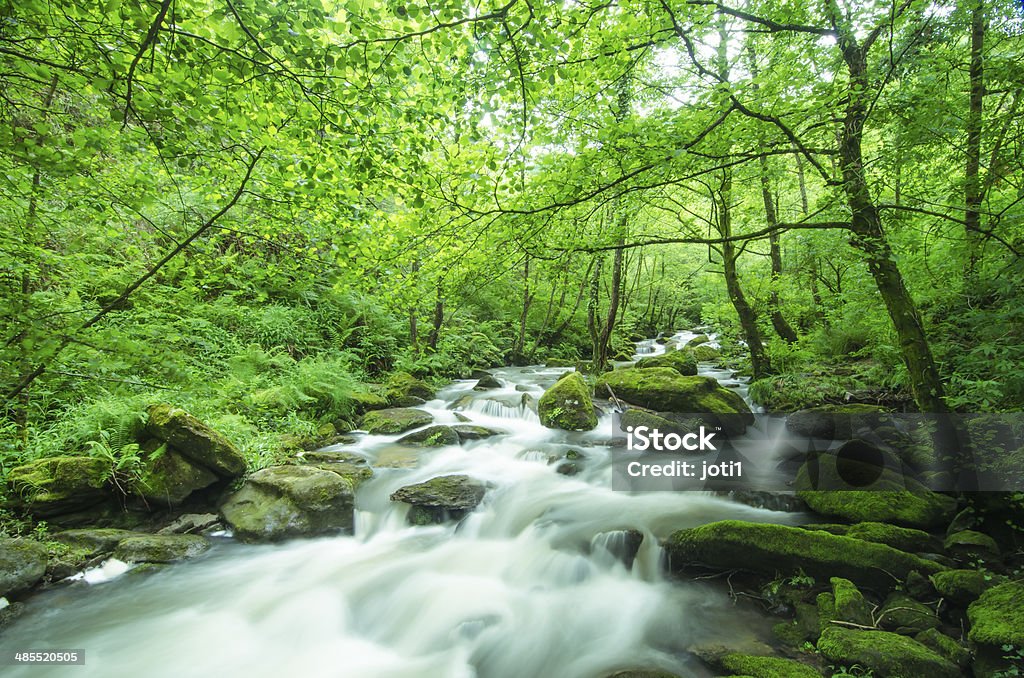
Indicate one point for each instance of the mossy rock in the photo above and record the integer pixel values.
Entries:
(567, 405)
(280, 502)
(643, 673)
(559, 362)
(168, 478)
(945, 646)
(705, 354)
(195, 440)
(487, 382)
(367, 401)
(887, 655)
(161, 548)
(682, 362)
(472, 432)
(432, 436)
(906, 616)
(395, 420)
(637, 417)
(961, 587)
(850, 605)
(773, 549)
(95, 541)
(997, 617)
(902, 538)
(698, 340)
(972, 544)
(58, 485)
(765, 667)
(22, 565)
(663, 389)
(440, 499)
(833, 421)
(64, 560)
(403, 384)
(889, 497)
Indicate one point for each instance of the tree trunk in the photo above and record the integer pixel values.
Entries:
(972, 186)
(593, 308)
(782, 328)
(869, 236)
(437, 321)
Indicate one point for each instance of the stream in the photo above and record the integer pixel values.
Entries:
(534, 582)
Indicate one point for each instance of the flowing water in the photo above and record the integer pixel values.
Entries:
(537, 581)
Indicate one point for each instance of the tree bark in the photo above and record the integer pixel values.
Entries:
(782, 328)
(972, 185)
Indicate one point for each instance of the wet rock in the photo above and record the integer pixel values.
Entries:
(682, 362)
(395, 420)
(833, 421)
(279, 502)
(487, 382)
(195, 440)
(94, 541)
(432, 436)
(698, 340)
(636, 417)
(568, 468)
(665, 390)
(567, 405)
(406, 401)
(22, 565)
(192, 523)
(945, 646)
(471, 432)
(160, 548)
(332, 457)
(440, 499)
(884, 653)
(622, 544)
(705, 354)
(773, 549)
(739, 664)
(58, 485)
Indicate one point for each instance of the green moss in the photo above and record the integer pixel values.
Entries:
(56, 485)
(636, 417)
(682, 362)
(395, 420)
(167, 479)
(567, 405)
(945, 646)
(705, 354)
(665, 390)
(902, 538)
(887, 654)
(432, 436)
(766, 667)
(997, 617)
(403, 384)
(903, 614)
(160, 548)
(195, 440)
(961, 586)
(781, 549)
(850, 604)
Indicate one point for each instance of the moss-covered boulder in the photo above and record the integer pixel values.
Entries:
(440, 499)
(487, 382)
(635, 417)
(161, 548)
(567, 405)
(682, 362)
(902, 538)
(474, 432)
(167, 478)
(833, 421)
(849, 603)
(904, 615)
(95, 541)
(997, 617)
(402, 385)
(195, 440)
(22, 565)
(971, 545)
(764, 667)
(663, 389)
(962, 587)
(773, 549)
(698, 340)
(432, 436)
(945, 646)
(58, 485)
(705, 354)
(395, 420)
(887, 655)
(280, 502)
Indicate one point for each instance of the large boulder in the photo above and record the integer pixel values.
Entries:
(664, 389)
(636, 417)
(962, 587)
(440, 499)
(682, 362)
(22, 565)
(195, 440)
(395, 420)
(58, 485)
(167, 478)
(432, 436)
(279, 502)
(997, 622)
(402, 385)
(888, 655)
(834, 421)
(567, 405)
(160, 548)
(94, 541)
(738, 664)
(772, 549)
(705, 354)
